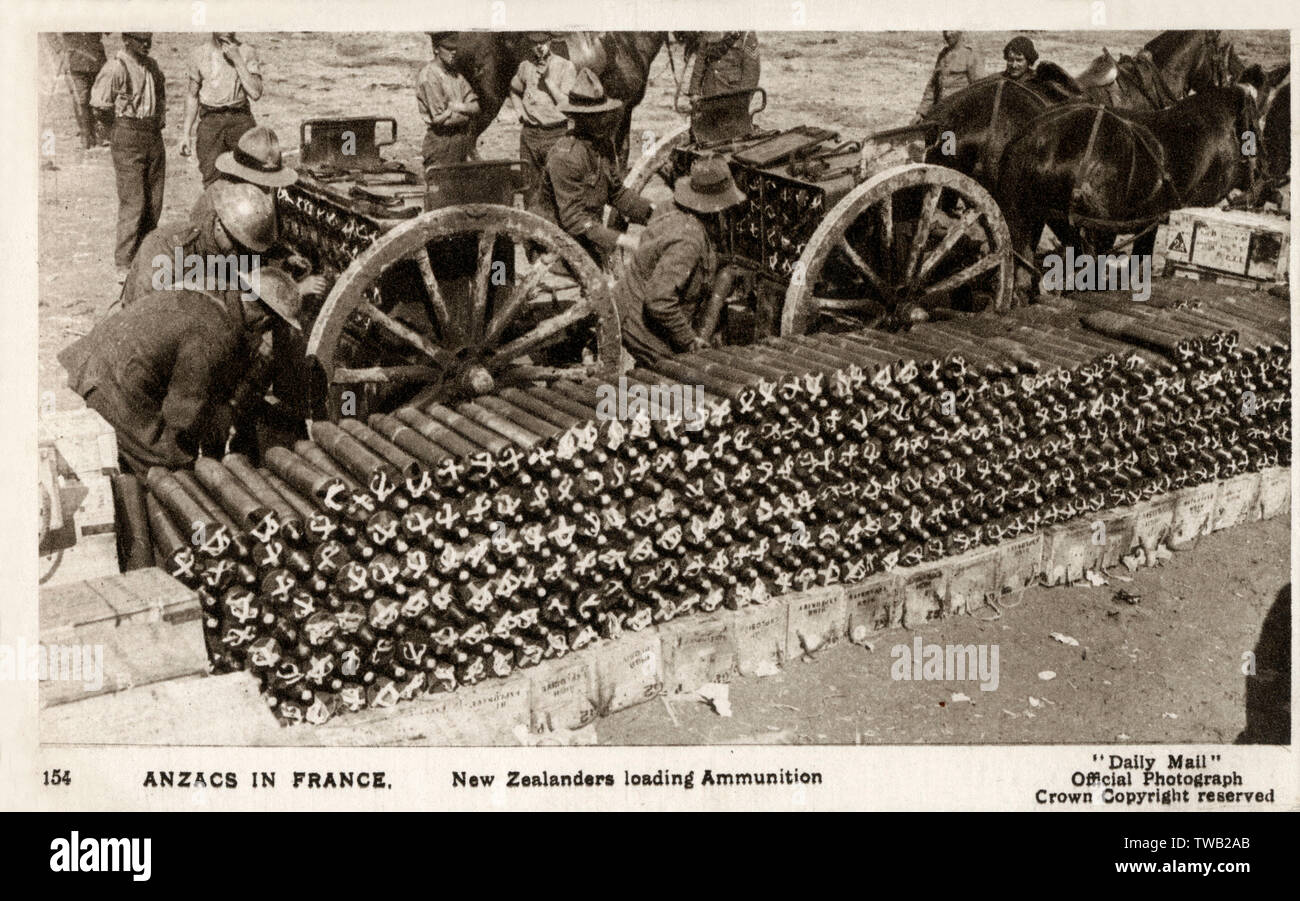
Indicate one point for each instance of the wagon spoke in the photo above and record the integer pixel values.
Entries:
(961, 277)
(479, 292)
(577, 372)
(962, 228)
(433, 299)
(544, 333)
(384, 374)
(523, 291)
(887, 226)
(404, 332)
(845, 304)
(860, 264)
(923, 225)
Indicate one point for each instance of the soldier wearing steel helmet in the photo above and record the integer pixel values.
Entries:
(242, 222)
(163, 371)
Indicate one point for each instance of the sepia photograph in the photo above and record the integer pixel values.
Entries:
(864, 390)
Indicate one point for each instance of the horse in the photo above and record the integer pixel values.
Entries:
(1276, 122)
(621, 59)
(985, 116)
(1084, 166)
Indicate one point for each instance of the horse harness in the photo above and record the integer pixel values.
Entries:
(1147, 141)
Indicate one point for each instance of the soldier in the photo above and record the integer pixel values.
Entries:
(447, 105)
(672, 272)
(535, 94)
(162, 372)
(957, 66)
(130, 90)
(581, 175)
(1021, 55)
(224, 75)
(241, 227)
(83, 53)
(256, 160)
(727, 61)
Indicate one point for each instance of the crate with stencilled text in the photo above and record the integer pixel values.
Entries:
(1235, 246)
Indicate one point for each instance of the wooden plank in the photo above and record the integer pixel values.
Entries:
(199, 710)
(133, 654)
(90, 557)
(143, 594)
(66, 606)
(85, 442)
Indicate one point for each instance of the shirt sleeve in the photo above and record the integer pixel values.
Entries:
(252, 61)
(567, 181)
(975, 70)
(109, 83)
(194, 67)
(568, 74)
(632, 205)
(429, 99)
(664, 302)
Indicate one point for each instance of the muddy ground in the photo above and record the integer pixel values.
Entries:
(1166, 669)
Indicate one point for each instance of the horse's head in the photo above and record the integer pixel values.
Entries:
(1194, 60)
(1214, 64)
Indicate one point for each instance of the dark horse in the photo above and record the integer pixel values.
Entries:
(986, 116)
(620, 58)
(1118, 171)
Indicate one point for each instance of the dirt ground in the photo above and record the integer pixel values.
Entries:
(1166, 669)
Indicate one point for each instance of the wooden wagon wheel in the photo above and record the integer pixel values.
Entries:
(644, 177)
(907, 240)
(456, 303)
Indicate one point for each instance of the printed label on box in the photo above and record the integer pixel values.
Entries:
(1274, 491)
(1193, 513)
(1070, 553)
(1221, 246)
(972, 580)
(562, 694)
(629, 671)
(874, 605)
(818, 619)
(761, 639)
(925, 594)
(498, 706)
(1020, 562)
(1236, 500)
(1153, 520)
(698, 652)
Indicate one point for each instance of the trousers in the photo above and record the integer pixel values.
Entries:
(535, 142)
(81, 83)
(140, 168)
(217, 132)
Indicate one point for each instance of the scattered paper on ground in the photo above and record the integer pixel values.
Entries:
(1066, 639)
(718, 696)
(1047, 675)
(1095, 578)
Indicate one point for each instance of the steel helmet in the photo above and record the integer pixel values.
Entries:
(277, 290)
(247, 212)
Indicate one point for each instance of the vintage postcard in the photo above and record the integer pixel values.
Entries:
(433, 406)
